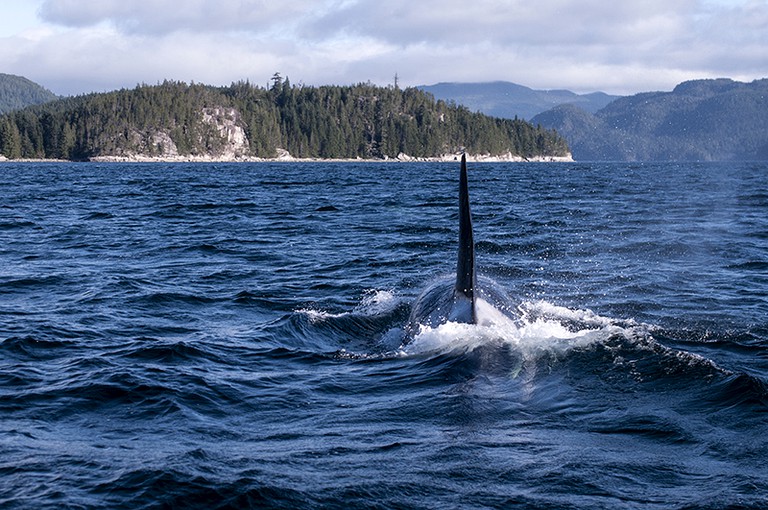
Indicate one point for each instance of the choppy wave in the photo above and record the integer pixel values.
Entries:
(224, 336)
(544, 333)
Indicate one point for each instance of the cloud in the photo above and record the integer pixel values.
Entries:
(106, 60)
(455, 23)
(622, 47)
(166, 16)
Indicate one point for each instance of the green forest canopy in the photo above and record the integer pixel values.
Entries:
(363, 121)
(17, 92)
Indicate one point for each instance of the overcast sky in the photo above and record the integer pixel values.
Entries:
(616, 46)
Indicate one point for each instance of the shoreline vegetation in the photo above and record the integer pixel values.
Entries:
(177, 122)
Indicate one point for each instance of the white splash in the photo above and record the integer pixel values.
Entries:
(542, 328)
(315, 316)
(374, 302)
(377, 302)
(548, 310)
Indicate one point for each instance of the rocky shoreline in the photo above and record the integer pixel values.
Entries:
(284, 156)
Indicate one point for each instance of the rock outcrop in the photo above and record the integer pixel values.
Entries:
(227, 122)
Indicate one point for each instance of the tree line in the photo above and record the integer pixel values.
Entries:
(362, 120)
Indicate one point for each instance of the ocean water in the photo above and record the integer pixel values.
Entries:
(231, 336)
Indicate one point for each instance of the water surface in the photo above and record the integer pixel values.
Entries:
(229, 336)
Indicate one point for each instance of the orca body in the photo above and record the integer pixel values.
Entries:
(457, 299)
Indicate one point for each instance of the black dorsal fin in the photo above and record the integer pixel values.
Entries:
(465, 268)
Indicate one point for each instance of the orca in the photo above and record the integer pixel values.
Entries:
(467, 297)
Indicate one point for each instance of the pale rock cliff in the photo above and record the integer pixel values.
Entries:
(164, 145)
(227, 122)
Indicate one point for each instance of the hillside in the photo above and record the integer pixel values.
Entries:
(17, 92)
(701, 120)
(509, 100)
(175, 119)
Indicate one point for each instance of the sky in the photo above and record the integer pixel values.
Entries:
(616, 46)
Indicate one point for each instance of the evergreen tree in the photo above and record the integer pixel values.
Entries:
(10, 139)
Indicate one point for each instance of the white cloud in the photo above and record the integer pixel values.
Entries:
(166, 16)
(624, 46)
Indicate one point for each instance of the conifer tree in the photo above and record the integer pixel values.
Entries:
(10, 139)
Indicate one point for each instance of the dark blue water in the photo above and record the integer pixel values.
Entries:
(231, 336)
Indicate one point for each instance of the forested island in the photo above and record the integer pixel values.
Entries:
(175, 119)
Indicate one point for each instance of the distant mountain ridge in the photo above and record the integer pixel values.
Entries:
(700, 120)
(17, 92)
(509, 100)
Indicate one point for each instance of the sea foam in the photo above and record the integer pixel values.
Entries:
(541, 328)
